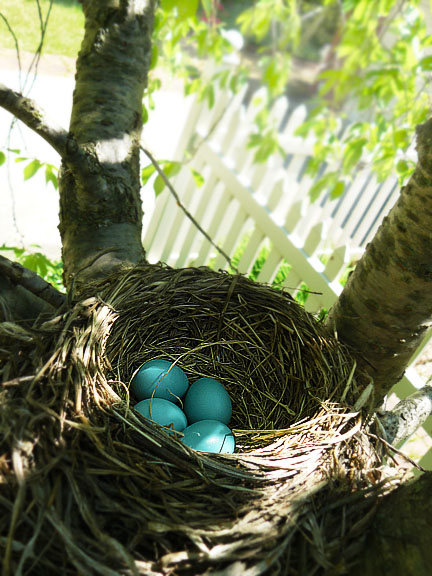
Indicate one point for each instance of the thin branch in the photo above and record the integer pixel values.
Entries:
(37, 55)
(15, 39)
(407, 416)
(26, 110)
(31, 282)
(188, 214)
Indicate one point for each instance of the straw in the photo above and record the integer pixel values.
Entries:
(89, 486)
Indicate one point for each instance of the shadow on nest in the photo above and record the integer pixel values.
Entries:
(88, 486)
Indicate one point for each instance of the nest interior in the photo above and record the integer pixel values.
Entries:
(275, 360)
(89, 486)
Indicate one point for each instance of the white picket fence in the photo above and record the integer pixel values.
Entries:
(263, 210)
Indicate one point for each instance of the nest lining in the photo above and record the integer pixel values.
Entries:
(88, 486)
(274, 359)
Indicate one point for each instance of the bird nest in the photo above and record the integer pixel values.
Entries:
(88, 486)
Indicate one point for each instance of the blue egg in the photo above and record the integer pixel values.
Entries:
(163, 412)
(159, 379)
(207, 399)
(209, 436)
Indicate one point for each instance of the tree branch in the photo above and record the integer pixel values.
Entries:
(26, 110)
(19, 305)
(407, 416)
(31, 281)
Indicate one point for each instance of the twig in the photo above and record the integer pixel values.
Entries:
(188, 214)
(31, 282)
(396, 451)
(15, 39)
(26, 110)
(37, 55)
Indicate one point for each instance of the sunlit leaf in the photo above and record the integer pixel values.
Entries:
(185, 8)
(31, 169)
(352, 154)
(159, 185)
(147, 173)
(50, 176)
(2, 157)
(327, 181)
(337, 190)
(198, 177)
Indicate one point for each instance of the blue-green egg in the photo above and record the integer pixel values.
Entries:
(159, 379)
(207, 399)
(209, 436)
(163, 412)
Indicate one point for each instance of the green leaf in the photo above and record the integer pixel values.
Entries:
(31, 169)
(37, 262)
(144, 113)
(154, 56)
(329, 180)
(337, 190)
(171, 168)
(352, 154)
(185, 8)
(402, 167)
(147, 173)
(401, 138)
(199, 178)
(159, 185)
(2, 158)
(17, 251)
(50, 175)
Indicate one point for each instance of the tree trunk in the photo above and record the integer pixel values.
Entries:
(100, 206)
(385, 306)
(399, 543)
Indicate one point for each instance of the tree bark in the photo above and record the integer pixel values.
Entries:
(399, 543)
(385, 306)
(20, 305)
(100, 206)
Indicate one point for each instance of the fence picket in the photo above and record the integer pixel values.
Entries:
(215, 224)
(270, 267)
(251, 251)
(197, 208)
(377, 207)
(236, 229)
(313, 239)
(293, 216)
(336, 263)
(184, 183)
